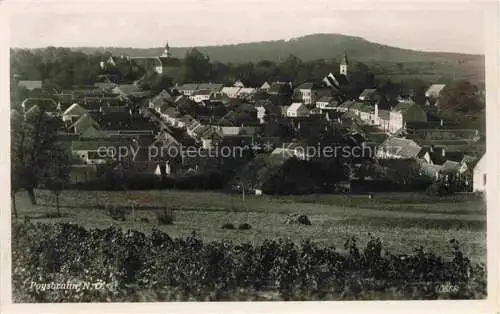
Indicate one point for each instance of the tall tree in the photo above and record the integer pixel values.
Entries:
(32, 136)
(55, 173)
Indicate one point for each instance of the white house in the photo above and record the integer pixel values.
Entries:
(265, 86)
(246, 91)
(479, 175)
(305, 93)
(201, 95)
(403, 113)
(296, 110)
(188, 89)
(325, 102)
(231, 91)
(432, 94)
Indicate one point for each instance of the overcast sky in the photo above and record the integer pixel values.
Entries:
(419, 25)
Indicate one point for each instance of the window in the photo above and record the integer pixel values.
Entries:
(484, 178)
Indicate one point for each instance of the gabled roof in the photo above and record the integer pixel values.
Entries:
(368, 93)
(210, 86)
(307, 85)
(404, 106)
(202, 92)
(47, 104)
(434, 90)
(347, 104)
(75, 110)
(84, 122)
(327, 99)
(450, 166)
(401, 147)
(246, 90)
(172, 112)
(295, 106)
(188, 86)
(127, 88)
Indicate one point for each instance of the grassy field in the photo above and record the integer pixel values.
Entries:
(402, 221)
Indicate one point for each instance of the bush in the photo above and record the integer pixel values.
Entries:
(297, 219)
(145, 220)
(118, 213)
(166, 217)
(133, 266)
(439, 188)
(244, 226)
(228, 226)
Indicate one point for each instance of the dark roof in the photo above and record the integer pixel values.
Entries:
(188, 86)
(404, 106)
(326, 99)
(401, 147)
(307, 85)
(368, 93)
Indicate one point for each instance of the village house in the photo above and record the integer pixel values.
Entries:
(280, 89)
(479, 175)
(187, 89)
(231, 91)
(265, 86)
(326, 103)
(432, 94)
(345, 106)
(30, 85)
(398, 148)
(369, 95)
(238, 83)
(201, 95)
(82, 124)
(47, 105)
(403, 113)
(172, 117)
(74, 112)
(212, 87)
(297, 110)
(246, 92)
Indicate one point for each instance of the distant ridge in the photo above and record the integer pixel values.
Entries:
(309, 47)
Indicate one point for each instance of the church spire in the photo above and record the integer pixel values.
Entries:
(344, 64)
(166, 51)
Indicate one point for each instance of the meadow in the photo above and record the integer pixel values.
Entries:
(402, 221)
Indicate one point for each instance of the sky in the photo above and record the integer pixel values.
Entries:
(422, 25)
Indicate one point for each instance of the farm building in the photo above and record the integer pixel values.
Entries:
(479, 176)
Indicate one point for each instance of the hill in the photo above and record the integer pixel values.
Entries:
(329, 46)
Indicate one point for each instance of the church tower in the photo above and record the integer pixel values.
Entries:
(343, 64)
(166, 51)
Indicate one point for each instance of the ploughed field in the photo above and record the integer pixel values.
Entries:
(402, 221)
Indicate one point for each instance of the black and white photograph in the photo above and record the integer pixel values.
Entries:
(194, 151)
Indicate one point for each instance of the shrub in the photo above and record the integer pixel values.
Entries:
(244, 226)
(145, 220)
(118, 212)
(228, 226)
(297, 219)
(439, 188)
(133, 266)
(166, 217)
